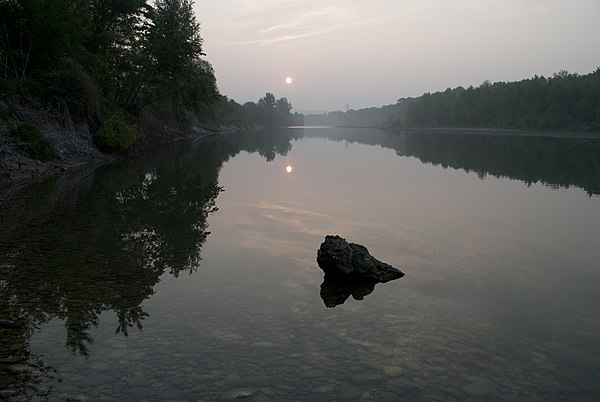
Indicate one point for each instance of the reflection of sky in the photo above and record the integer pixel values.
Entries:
(493, 269)
(478, 249)
(390, 203)
(474, 250)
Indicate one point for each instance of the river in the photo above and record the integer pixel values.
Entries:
(192, 275)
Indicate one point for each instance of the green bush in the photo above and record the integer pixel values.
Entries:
(116, 134)
(36, 145)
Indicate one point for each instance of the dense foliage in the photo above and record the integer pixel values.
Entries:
(267, 112)
(128, 52)
(563, 101)
(112, 63)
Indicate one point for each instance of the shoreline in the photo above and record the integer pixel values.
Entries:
(501, 131)
(481, 131)
(18, 170)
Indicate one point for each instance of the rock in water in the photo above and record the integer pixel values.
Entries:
(338, 258)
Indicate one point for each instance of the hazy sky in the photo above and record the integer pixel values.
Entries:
(370, 53)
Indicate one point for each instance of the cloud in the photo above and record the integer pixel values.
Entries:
(276, 22)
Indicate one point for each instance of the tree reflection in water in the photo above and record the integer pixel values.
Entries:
(75, 247)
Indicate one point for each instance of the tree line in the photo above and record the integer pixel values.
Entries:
(565, 101)
(266, 112)
(112, 62)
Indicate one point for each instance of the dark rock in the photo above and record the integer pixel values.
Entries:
(338, 258)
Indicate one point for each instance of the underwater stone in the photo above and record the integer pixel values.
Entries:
(75, 398)
(348, 392)
(239, 393)
(12, 359)
(6, 323)
(7, 393)
(19, 368)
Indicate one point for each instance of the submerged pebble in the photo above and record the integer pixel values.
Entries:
(19, 368)
(11, 359)
(6, 323)
(239, 393)
(39, 389)
(7, 393)
(74, 397)
(348, 392)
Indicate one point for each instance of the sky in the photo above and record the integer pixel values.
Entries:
(356, 54)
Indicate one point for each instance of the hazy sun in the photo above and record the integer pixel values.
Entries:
(289, 80)
(289, 168)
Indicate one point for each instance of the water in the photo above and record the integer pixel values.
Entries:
(192, 275)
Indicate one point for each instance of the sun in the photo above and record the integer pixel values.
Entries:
(288, 80)
(289, 168)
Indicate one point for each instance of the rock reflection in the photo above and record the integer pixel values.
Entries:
(335, 290)
(350, 270)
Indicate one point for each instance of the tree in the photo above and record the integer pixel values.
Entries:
(117, 47)
(173, 46)
(271, 112)
(37, 35)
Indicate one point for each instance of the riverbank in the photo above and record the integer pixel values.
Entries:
(77, 152)
(482, 131)
(499, 131)
(18, 170)
(73, 144)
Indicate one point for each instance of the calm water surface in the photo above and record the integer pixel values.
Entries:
(192, 276)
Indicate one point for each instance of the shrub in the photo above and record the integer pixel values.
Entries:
(36, 145)
(116, 134)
